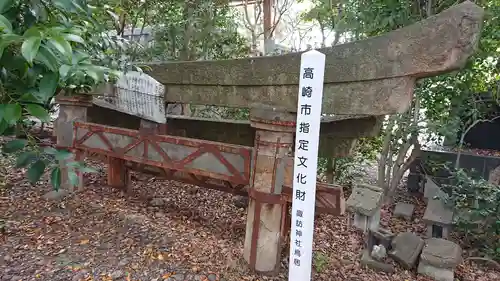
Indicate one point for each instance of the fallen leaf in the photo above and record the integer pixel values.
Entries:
(84, 242)
(167, 275)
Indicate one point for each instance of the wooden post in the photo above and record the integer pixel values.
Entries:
(118, 175)
(267, 210)
(71, 109)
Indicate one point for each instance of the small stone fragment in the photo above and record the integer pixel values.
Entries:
(404, 210)
(406, 247)
(379, 252)
(212, 277)
(368, 261)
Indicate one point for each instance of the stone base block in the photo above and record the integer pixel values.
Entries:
(366, 223)
(438, 274)
(404, 210)
(380, 236)
(368, 261)
(406, 248)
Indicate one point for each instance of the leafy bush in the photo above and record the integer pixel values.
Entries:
(345, 169)
(47, 48)
(476, 203)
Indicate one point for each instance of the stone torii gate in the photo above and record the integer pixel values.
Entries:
(372, 77)
(364, 81)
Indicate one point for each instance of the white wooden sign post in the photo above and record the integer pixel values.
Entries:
(312, 72)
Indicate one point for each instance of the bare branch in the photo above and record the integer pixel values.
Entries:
(279, 11)
(385, 151)
(247, 21)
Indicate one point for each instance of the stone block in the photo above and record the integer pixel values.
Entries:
(438, 219)
(366, 223)
(441, 253)
(368, 261)
(381, 236)
(379, 252)
(438, 274)
(404, 210)
(406, 247)
(365, 199)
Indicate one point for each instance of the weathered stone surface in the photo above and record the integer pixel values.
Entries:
(373, 97)
(381, 236)
(431, 189)
(337, 135)
(264, 220)
(441, 253)
(365, 199)
(440, 43)
(438, 274)
(366, 223)
(406, 247)
(437, 213)
(404, 210)
(374, 76)
(379, 252)
(369, 262)
(438, 218)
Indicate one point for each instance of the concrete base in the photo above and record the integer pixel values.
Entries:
(368, 261)
(438, 274)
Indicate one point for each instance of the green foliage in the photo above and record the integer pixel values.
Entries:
(476, 203)
(207, 31)
(345, 170)
(47, 47)
(320, 261)
(368, 147)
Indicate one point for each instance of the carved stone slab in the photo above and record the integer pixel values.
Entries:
(137, 94)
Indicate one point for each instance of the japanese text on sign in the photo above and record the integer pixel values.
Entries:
(312, 69)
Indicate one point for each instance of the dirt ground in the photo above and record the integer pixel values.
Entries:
(192, 233)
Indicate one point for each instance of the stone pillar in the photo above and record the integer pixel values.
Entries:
(267, 208)
(71, 109)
